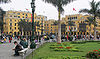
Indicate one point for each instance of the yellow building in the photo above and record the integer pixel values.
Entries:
(11, 20)
(44, 26)
(50, 28)
(40, 19)
(81, 27)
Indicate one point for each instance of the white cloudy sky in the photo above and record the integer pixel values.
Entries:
(45, 8)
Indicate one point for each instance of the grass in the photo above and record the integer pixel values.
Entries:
(45, 51)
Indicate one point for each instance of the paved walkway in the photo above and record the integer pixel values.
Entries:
(6, 51)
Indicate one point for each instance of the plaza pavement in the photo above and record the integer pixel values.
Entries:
(6, 51)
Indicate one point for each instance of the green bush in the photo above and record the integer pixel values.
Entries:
(92, 41)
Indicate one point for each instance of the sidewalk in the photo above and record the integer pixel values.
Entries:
(6, 51)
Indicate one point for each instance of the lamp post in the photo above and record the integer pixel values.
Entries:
(33, 10)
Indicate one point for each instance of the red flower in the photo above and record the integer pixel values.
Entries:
(68, 47)
(98, 55)
(95, 50)
(99, 49)
(60, 47)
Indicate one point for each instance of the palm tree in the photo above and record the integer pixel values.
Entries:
(59, 5)
(94, 11)
(21, 25)
(55, 23)
(90, 22)
(5, 1)
(24, 26)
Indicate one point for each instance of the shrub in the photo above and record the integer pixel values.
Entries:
(78, 42)
(95, 54)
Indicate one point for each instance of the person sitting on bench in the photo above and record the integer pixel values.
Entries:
(24, 43)
(17, 48)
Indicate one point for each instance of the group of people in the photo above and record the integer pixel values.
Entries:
(82, 37)
(20, 46)
(5, 38)
(24, 42)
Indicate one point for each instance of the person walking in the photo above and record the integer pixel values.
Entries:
(67, 37)
(73, 38)
(10, 39)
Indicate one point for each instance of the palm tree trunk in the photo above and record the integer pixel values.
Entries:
(90, 31)
(59, 29)
(94, 32)
(94, 27)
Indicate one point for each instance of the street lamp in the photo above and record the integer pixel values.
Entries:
(33, 10)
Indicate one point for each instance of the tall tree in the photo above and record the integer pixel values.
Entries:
(89, 21)
(1, 20)
(94, 11)
(59, 5)
(55, 23)
(24, 26)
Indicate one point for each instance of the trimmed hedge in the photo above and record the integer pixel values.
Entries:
(78, 42)
(63, 57)
(83, 42)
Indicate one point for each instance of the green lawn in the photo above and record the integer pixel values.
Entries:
(45, 50)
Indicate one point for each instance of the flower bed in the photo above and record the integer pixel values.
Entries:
(63, 47)
(95, 54)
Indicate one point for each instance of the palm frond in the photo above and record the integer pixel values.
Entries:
(84, 11)
(65, 2)
(59, 3)
(98, 13)
(5, 1)
(98, 4)
(94, 9)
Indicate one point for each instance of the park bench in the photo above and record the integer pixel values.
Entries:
(23, 52)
